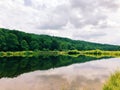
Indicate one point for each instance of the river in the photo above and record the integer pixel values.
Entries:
(56, 72)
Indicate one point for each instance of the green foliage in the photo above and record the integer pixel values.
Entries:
(55, 45)
(12, 40)
(2, 42)
(113, 83)
(34, 45)
(24, 45)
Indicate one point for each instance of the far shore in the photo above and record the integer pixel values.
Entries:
(73, 53)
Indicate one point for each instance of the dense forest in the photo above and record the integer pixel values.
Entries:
(13, 40)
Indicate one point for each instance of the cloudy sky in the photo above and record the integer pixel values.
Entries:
(90, 20)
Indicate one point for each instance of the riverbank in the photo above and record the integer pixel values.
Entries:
(73, 53)
(27, 53)
(113, 82)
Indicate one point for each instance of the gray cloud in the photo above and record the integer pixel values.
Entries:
(80, 13)
(92, 5)
(91, 11)
(28, 2)
(90, 19)
(56, 19)
(89, 34)
(110, 4)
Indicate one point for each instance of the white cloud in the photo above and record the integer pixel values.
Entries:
(92, 20)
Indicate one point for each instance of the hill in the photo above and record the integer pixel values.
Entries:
(13, 40)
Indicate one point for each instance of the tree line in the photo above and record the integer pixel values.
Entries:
(13, 40)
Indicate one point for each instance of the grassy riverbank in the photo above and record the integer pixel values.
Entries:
(27, 53)
(95, 53)
(92, 53)
(113, 82)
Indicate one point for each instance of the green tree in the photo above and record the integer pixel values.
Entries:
(2, 43)
(24, 45)
(34, 45)
(12, 42)
(55, 45)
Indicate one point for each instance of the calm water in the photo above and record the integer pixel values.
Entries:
(56, 72)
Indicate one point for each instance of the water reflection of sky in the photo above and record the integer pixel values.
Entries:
(88, 76)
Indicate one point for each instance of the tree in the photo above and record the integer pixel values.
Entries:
(55, 45)
(12, 41)
(34, 45)
(2, 43)
(24, 45)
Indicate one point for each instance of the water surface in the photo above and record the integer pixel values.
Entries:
(56, 72)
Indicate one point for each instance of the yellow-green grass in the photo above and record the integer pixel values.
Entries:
(27, 53)
(17, 53)
(101, 53)
(92, 53)
(113, 82)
